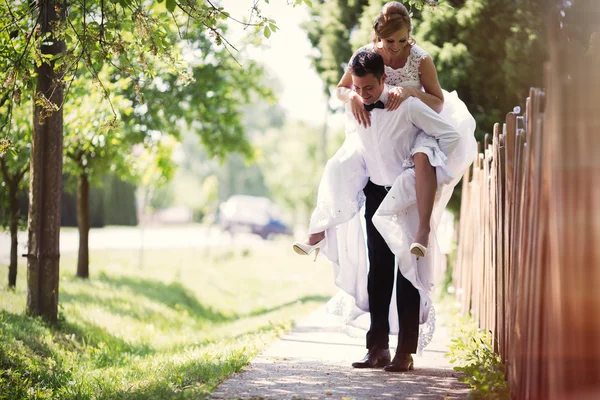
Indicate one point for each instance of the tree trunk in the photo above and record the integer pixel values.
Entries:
(46, 177)
(83, 223)
(14, 230)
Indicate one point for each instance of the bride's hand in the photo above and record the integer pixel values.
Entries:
(358, 110)
(396, 96)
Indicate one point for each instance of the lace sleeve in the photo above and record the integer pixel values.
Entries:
(418, 55)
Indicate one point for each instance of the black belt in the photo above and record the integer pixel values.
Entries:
(387, 188)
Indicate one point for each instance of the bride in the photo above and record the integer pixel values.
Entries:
(408, 216)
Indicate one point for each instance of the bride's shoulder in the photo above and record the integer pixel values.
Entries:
(418, 52)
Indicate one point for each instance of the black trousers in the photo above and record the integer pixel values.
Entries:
(381, 284)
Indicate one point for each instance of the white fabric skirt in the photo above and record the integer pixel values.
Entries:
(340, 199)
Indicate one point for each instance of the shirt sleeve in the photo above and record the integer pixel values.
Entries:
(430, 122)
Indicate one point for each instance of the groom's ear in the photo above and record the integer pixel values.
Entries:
(382, 79)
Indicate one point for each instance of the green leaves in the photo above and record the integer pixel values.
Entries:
(482, 43)
(171, 4)
(119, 55)
(269, 27)
(474, 44)
(6, 145)
(472, 354)
(125, 3)
(299, 2)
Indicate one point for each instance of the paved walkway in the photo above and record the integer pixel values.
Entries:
(314, 361)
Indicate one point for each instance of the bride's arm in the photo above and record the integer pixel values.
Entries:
(345, 93)
(344, 90)
(432, 96)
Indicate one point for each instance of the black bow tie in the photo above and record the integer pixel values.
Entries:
(377, 104)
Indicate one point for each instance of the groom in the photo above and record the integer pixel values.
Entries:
(384, 162)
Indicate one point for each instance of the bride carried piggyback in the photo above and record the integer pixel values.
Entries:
(408, 143)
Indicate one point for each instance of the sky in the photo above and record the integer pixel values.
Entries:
(286, 54)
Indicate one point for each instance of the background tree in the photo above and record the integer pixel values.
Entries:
(14, 165)
(126, 33)
(210, 199)
(207, 100)
(155, 168)
(95, 144)
(290, 158)
(185, 189)
(490, 51)
(46, 162)
(118, 202)
(329, 32)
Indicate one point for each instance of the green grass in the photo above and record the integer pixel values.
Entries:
(173, 328)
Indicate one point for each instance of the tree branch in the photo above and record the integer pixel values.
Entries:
(16, 67)
(21, 173)
(210, 28)
(15, 19)
(246, 24)
(177, 25)
(68, 88)
(101, 39)
(37, 21)
(5, 173)
(84, 22)
(9, 112)
(91, 68)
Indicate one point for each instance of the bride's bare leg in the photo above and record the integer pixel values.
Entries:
(425, 185)
(315, 238)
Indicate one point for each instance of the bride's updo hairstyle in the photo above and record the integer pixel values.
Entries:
(393, 17)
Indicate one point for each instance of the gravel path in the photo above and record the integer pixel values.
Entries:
(313, 361)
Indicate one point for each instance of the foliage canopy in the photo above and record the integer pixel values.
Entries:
(490, 51)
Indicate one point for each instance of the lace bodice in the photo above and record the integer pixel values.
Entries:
(408, 75)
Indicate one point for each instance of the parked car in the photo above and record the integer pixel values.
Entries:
(258, 215)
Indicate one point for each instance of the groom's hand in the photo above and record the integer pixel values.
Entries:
(358, 110)
(396, 96)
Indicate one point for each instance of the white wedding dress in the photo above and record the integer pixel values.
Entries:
(340, 199)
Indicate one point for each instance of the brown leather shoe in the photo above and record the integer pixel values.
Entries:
(402, 362)
(375, 358)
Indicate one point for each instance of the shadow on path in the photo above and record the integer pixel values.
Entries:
(314, 360)
(287, 379)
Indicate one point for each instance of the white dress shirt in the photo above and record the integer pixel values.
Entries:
(388, 142)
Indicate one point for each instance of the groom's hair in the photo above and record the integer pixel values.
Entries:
(367, 62)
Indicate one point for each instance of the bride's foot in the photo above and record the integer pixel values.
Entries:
(306, 249)
(419, 246)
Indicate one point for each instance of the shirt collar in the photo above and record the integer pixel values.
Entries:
(384, 94)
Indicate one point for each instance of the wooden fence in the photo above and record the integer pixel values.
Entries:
(528, 261)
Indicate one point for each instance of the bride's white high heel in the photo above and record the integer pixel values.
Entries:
(305, 249)
(418, 249)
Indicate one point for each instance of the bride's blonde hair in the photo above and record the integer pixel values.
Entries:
(393, 17)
